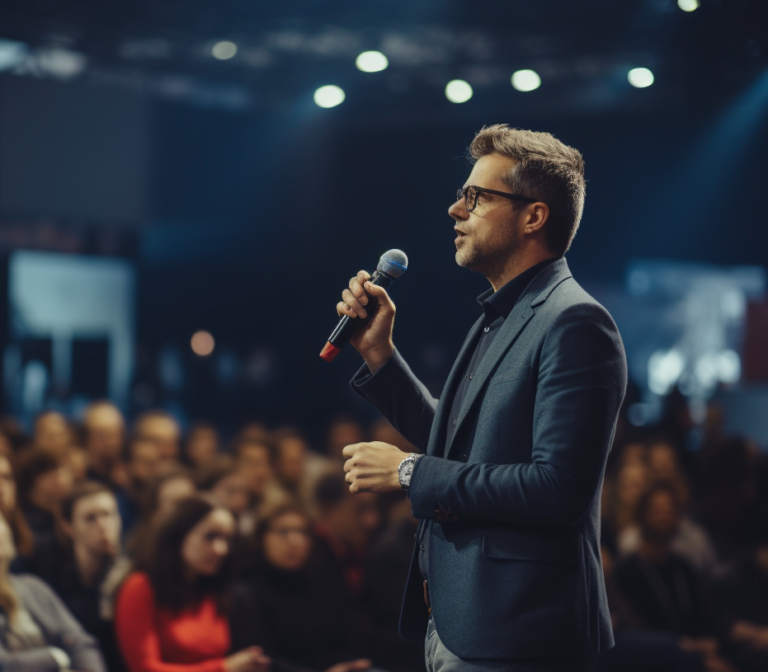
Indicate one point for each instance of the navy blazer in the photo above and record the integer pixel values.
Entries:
(514, 561)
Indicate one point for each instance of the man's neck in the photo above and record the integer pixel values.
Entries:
(90, 566)
(514, 266)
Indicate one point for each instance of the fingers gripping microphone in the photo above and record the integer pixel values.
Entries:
(391, 266)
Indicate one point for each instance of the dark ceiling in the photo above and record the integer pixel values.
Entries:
(582, 50)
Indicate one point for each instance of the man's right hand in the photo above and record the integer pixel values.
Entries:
(374, 339)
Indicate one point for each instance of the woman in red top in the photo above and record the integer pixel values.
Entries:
(170, 615)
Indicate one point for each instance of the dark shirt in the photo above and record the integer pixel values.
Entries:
(666, 595)
(496, 308)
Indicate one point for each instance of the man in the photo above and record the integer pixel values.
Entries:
(344, 527)
(508, 492)
(141, 464)
(92, 568)
(161, 428)
(103, 439)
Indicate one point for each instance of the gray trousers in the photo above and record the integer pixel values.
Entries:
(440, 659)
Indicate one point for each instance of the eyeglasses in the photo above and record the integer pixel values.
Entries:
(471, 193)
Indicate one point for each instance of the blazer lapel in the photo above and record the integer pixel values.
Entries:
(438, 432)
(536, 293)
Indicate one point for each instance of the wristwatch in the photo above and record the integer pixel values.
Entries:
(405, 470)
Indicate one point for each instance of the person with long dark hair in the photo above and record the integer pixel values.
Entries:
(288, 605)
(172, 612)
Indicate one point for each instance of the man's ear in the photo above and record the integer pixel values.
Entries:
(538, 214)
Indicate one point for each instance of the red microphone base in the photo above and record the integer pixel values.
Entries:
(329, 352)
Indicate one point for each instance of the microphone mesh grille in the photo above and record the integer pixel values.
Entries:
(393, 263)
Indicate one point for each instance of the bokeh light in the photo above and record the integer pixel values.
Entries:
(202, 343)
(640, 77)
(329, 96)
(458, 91)
(526, 80)
(371, 61)
(224, 50)
(688, 5)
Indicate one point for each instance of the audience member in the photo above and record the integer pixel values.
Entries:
(89, 569)
(103, 440)
(740, 601)
(344, 527)
(52, 432)
(691, 541)
(342, 432)
(621, 493)
(37, 632)
(387, 565)
(256, 458)
(297, 613)
(9, 507)
(662, 588)
(171, 614)
(226, 484)
(43, 481)
(202, 445)
(141, 464)
(161, 496)
(292, 451)
(161, 428)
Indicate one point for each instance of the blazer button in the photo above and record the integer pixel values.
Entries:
(487, 329)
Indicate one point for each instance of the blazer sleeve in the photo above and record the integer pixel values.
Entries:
(581, 383)
(400, 397)
(135, 626)
(61, 630)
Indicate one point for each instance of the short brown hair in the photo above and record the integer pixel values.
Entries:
(81, 491)
(547, 170)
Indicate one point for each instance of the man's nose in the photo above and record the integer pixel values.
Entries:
(459, 210)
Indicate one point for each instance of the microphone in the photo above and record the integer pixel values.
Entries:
(391, 266)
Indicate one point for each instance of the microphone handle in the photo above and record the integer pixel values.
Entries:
(348, 325)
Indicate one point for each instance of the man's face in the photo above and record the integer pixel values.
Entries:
(104, 432)
(144, 463)
(489, 235)
(96, 524)
(164, 433)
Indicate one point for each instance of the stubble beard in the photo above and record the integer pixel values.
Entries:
(490, 259)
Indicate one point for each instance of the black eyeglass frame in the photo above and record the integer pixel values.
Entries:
(464, 193)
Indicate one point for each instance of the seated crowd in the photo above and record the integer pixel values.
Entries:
(146, 551)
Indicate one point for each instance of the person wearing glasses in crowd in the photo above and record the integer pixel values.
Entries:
(506, 572)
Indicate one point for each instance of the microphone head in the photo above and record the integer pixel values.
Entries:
(394, 263)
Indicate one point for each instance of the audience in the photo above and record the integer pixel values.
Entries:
(319, 571)
(290, 607)
(172, 613)
(37, 632)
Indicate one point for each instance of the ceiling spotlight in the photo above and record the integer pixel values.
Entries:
(526, 80)
(458, 91)
(329, 96)
(640, 77)
(371, 61)
(202, 343)
(224, 50)
(688, 5)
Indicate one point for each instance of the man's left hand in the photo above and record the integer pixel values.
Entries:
(372, 467)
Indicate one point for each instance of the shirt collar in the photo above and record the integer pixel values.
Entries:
(500, 303)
